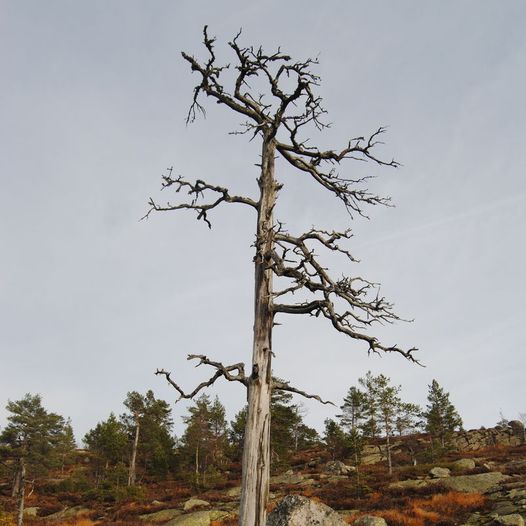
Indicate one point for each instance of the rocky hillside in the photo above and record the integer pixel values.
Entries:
(483, 482)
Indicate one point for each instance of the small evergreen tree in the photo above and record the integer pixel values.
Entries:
(32, 439)
(108, 441)
(384, 410)
(66, 445)
(441, 417)
(148, 423)
(408, 419)
(236, 434)
(335, 439)
(204, 441)
(288, 432)
(351, 418)
(388, 403)
(369, 426)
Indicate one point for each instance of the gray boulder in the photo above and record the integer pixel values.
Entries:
(31, 512)
(198, 518)
(295, 510)
(517, 428)
(68, 513)
(370, 520)
(194, 503)
(510, 520)
(464, 464)
(160, 516)
(295, 478)
(439, 473)
(335, 467)
(479, 483)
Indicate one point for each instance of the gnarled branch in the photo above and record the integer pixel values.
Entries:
(279, 109)
(232, 373)
(294, 258)
(197, 192)
(282, 386)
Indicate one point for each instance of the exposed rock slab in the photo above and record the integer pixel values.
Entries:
(464, 464)
(193, 503)
(479, 483)
(161, 516)
(336, 467)
(370, 520)
(439, 473)
(513, 519)
(295, 510)
(68, 513)
(287, 478)
(198, 518)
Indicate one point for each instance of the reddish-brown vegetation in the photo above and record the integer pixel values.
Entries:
(438, 510)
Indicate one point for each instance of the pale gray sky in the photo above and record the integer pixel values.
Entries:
(93, 97)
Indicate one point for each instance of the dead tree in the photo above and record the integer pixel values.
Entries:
(278, 117)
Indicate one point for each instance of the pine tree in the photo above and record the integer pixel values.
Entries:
(149, 424)
(352, 409)
(385, 411)
(369, 426)
(408, 418)
(204, 441)
(288, 432)
(335, 440)
(388, 403)
(353, 414)
(236, 434)
(108, 441)
(442, 419)
(66, 445)
(32, 439)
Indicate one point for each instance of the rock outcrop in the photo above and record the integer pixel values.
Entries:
(439, 473)
(479, 483)
(370, 520)
(295, 510)
(335, 467)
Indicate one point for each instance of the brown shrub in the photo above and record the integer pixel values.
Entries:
(229, 521)
(452, 503)
(438, 510)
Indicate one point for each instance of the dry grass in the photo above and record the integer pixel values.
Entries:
(229, 521)
(443, 509)
(75, 521)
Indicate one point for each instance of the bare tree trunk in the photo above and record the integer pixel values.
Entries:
(16, 482)
(132, 472)
(256, 451)
(388, 446)
(21, 493)
(197, 465)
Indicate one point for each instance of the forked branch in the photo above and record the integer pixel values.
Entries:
(232, 373)
(351, 304)
(283, 386)
(292, 110)
(197, 190)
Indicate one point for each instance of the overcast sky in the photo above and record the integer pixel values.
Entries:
(93, 97)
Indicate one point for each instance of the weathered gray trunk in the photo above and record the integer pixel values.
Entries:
(256, 450)
(21, 492)
(132, 472)
(16, 482)
(197, 465)
(389, 459)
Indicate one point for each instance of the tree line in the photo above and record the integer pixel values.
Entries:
(139, 445)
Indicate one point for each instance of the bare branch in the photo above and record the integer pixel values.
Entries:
(363, 304)
(197, 192)
(282, 386)
(225, 371)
